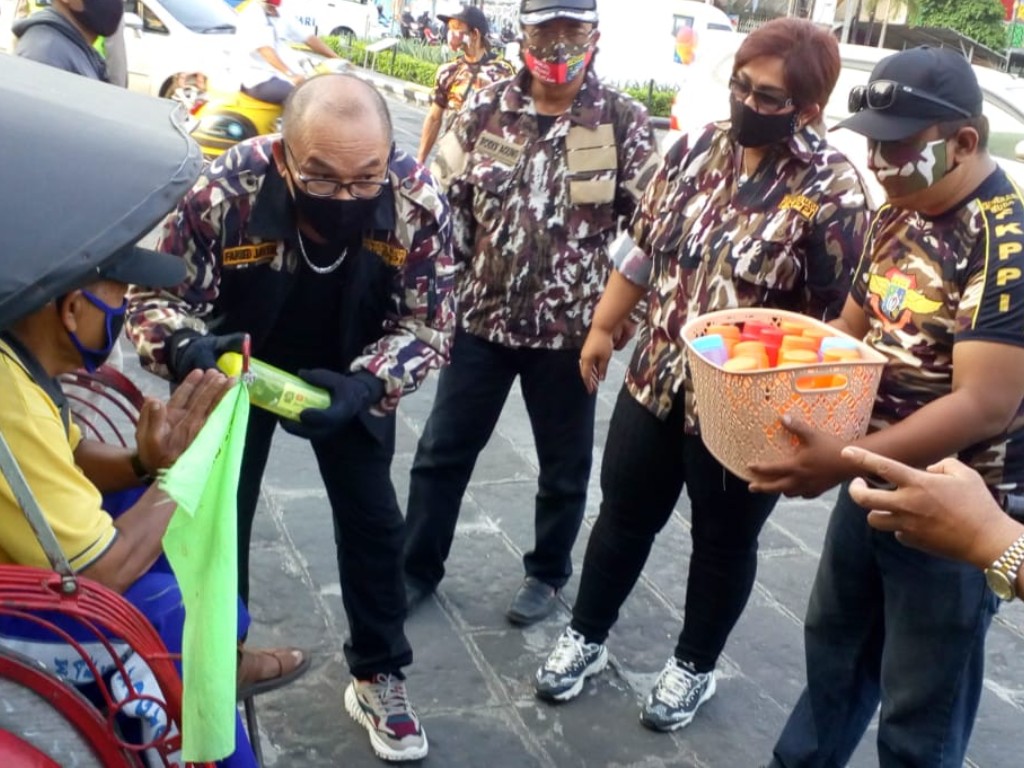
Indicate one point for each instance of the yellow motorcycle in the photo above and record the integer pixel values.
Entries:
(222, 119)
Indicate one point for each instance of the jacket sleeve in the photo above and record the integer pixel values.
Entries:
(192, 232)
(638, 157)
(421, 318)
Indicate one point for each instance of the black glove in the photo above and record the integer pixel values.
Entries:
(188, 350)
(350, 394)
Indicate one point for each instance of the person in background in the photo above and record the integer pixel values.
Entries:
(273, 70)
(63, 36)
(758, 211)
(939, 292)
(332, 249)
(541, 171)
(476, 67)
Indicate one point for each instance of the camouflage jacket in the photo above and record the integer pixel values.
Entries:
(533, 215)
(926, 284)
(457, 80)
(237, 233)
(786, 238)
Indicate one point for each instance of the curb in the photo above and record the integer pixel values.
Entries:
(413, 94)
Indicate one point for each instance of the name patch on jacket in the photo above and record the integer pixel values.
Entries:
(496, 148)
(245, 255)
(802, 205)
(392, 255)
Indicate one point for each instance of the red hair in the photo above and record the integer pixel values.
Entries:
(809, 53)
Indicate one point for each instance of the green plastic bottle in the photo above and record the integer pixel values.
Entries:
(272, 389)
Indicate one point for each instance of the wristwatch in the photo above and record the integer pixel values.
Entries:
(1002, 574)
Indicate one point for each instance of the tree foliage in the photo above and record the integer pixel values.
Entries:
(980, 20)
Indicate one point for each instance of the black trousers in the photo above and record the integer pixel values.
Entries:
(368, 532)
(471, 393)
(646, 463)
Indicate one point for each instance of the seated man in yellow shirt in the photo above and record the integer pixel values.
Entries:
(67, 474)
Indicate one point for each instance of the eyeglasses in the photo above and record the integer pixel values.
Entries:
(764, 101)
(316, 187)
(882, 94)
(539, 35)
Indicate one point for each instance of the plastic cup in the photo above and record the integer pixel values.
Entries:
(711, 347)
(793, 328)
(725, 331)
(741, 363)
(819, 334)
(790, 341)
(840, 354)
(838, 342)
(797, 357)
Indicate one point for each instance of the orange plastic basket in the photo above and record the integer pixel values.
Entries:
(740, 413)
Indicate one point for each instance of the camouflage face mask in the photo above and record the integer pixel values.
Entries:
(559, 63)
(904, 168)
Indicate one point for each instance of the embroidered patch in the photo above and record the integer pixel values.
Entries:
(499, 150)
(245, 255)
(392, 255)
(802, 205)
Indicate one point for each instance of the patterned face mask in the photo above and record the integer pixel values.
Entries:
(558, 63)
(904, 168)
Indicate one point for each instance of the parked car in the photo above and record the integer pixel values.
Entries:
(704, 98)
(173, 47)
(341, 18)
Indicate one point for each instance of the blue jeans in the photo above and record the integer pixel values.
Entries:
(888, 623)
(471, 393)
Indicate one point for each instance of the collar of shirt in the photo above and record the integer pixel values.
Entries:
(586, 107)
(273, 213)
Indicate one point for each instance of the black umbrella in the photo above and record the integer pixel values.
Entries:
(85, 169)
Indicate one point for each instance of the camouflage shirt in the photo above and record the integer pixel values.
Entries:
(705, 239)
(237, 233)
(533, 215)
(457, 80)
(927, 283)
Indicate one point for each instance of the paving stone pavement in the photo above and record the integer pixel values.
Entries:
(471, 677)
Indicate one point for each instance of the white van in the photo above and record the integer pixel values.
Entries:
(659, 42)
(341, 18)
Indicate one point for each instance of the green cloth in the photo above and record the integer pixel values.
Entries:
(201, 545)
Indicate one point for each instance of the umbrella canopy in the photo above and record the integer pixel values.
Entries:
(85, 169)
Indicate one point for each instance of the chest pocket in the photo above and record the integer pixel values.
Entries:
(767, 255)
(492, 181)
(592, 166)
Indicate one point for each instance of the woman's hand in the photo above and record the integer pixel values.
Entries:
(597, 351)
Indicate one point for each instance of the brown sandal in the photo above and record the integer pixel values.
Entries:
(288, 665)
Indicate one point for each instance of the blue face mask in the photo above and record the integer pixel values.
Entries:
(114, 322)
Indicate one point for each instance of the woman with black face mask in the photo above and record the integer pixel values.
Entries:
(757, 211)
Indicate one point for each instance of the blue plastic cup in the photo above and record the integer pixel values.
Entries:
(711, 348)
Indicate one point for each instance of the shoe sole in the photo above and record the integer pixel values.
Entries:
(668, 727)
(380, 747)
(572, 692)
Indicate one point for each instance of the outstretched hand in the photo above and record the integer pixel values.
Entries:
(946, 510)
(166, 430)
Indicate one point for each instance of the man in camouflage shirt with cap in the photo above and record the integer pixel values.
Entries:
(332, 249)
(940, 292)
(541, 171)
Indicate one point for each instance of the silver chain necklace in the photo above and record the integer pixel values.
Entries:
(319, 270)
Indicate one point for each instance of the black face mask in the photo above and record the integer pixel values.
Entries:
(100, 16)
(750, 128)
(338, 222)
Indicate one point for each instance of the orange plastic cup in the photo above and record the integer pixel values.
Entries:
(725, 331)
(791, 327)
(817, 334)
(753, 349)
(840, 354)
(741, 363)
(797, 357)
(800, 342)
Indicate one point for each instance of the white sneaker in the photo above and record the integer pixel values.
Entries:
(382, 707)
(676, 696)
(571, 662)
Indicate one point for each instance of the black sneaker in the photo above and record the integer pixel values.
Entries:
(676, 696)
(571, 662)
(416, 593)
(534, 600)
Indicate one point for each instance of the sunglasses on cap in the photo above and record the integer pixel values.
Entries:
(882, 94)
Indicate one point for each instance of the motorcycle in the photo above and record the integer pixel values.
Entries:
(219, 120)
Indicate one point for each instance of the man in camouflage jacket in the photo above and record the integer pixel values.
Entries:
(541, 171)
(332, 250)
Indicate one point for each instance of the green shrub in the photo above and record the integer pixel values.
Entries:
(657, 100)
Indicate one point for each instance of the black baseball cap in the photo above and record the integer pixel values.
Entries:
(538, 11)
(472, 17)
(140, 266)
(931, 85)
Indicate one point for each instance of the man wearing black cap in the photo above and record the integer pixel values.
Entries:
(940, 293)
(476, 67)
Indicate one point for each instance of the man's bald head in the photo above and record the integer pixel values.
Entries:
(336, 96)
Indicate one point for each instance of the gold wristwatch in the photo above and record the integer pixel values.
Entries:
(1002, 574)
